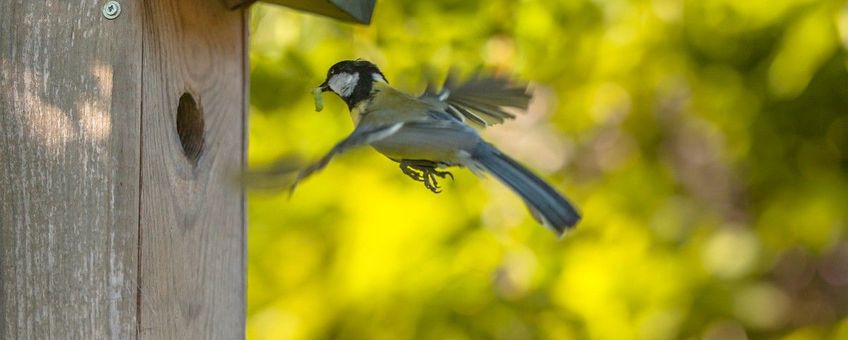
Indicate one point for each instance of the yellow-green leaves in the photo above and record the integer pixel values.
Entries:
(808, 43)
(704, 141)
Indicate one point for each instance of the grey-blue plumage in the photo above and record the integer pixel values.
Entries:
(548, 206)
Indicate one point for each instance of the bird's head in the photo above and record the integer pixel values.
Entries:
(352, 80)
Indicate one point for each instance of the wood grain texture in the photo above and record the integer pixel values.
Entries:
(70, 101)
(192, 214)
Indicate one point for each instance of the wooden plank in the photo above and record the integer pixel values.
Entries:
(192, 213)
(69, 167)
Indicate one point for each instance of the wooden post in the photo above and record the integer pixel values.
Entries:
(119, 143)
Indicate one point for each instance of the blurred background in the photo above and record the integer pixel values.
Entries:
(705, 142)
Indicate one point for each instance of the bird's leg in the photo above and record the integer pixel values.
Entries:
(424, 171)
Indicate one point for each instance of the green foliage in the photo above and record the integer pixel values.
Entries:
(706, 143)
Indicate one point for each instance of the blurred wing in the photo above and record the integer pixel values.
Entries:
(481, 99)
(272, 177)
(360, 136)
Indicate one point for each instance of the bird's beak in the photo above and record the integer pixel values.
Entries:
(324, 87)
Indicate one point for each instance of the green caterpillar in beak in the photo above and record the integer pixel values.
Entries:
(319, 100)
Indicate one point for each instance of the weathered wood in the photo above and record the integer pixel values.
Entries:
(70, 98)
(192, 212)
(358, 11)
(120, 218)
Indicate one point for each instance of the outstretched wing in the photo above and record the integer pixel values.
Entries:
(481, 99)
(360, 136)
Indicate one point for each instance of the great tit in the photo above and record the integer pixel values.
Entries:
(433, 131)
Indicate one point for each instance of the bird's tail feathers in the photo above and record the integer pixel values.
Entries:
(548, 206)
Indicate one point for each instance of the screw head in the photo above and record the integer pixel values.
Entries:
(111, 10)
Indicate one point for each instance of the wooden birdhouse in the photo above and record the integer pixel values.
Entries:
(122, 128)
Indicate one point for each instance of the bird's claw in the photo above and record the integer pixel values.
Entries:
(411, 172)
(425, 172)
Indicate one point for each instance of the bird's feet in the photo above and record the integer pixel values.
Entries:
(425, 172)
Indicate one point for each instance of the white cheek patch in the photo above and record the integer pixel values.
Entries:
(378, 77)
(343, 83)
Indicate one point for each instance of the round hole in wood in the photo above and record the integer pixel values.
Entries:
(190, 127)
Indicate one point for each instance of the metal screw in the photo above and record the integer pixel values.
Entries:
(111, 10)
